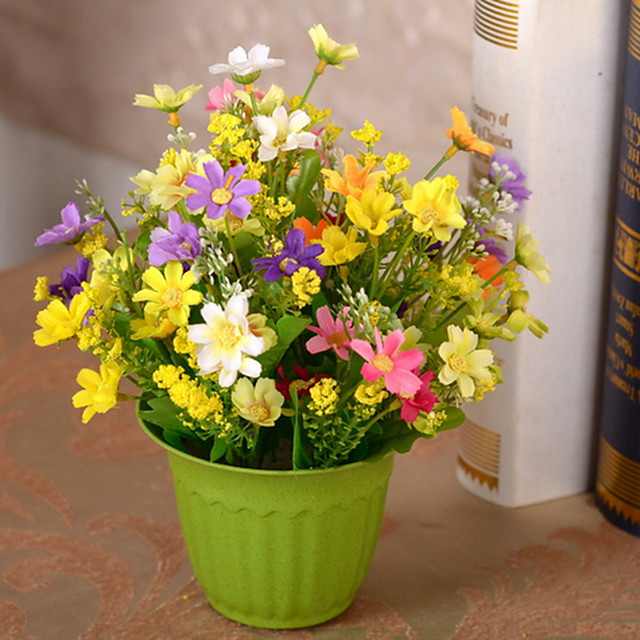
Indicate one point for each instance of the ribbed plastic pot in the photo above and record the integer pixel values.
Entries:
(279, 549)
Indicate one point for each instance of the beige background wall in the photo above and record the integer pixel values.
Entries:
(69, 70)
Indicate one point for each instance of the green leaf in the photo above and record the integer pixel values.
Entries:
(143, 240)
(396, 436)
(288, 329)
(455, 417)
(218, 450)
(299, 185)
(301, 459)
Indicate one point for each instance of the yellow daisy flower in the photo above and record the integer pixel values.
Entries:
(340, 248)
(59, 322)
(435, 208)
(100, 392)
(372, 212)
(170, 293)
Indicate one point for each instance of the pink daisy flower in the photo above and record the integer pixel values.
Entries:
(332, 334)
(221, 96)
(423, 400)
(397, 368)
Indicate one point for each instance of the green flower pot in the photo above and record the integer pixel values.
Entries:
(279, 549)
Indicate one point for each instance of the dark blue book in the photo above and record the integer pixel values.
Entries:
(618, 473)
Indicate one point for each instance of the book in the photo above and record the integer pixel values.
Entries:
(618, 471)
(544, 92)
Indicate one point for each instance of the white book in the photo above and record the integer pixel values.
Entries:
(546, 77)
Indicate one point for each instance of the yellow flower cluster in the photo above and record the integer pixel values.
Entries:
(41, 289)
(396, 163)
(430, 423)
(93, 240)
(273, 209)
(371, 393)
(186, 393)
(368, 134)
(306, 284)
(324, 397)
(317, 116)
(184, 346)
(460, 280)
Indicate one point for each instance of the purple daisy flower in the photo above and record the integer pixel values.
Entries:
(180, 241)
(516, 186)
(220, 191)
(293, 256)
(70, 229)
(71, 280)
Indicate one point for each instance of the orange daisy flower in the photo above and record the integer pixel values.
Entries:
(487, 267)
(355, 179)
(311, 232)
(463, 138)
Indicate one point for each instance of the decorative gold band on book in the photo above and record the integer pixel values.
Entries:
(479, 454)
(633, 41)
(618, 483)
(496, 21)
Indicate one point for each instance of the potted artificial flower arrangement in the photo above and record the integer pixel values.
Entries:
(290, 316)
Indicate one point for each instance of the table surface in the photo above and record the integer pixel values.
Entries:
(90, 546)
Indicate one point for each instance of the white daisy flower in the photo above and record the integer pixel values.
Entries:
(225, 342)
(246, 67)
(283, 132)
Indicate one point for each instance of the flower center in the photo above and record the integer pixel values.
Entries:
(383, 363)
(221, 195)
(229, 337)
(235, 223)
(285, 262)
(172, 297)
(336, 339)
(259, 412)
(279, 140)
(457, 363)
(428, 216)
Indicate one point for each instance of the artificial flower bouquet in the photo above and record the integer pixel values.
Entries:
(284, 304)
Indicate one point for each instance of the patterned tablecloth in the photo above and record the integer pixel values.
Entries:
(90, 547)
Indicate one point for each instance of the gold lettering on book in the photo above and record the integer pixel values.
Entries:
(626, 250)
(491, 125)
(621, 369)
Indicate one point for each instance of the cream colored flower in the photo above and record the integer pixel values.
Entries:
(463, 363)
(528, 256)
(328, 50)
(165, 98)
(261, 405)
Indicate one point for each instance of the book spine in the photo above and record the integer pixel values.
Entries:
(618, 474)
(544, 77)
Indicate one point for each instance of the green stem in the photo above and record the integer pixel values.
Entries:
(232, 246)
(314, 77)
(485, 284)
(436, 167)
(392, 265)
(377, 417)
(374, 274)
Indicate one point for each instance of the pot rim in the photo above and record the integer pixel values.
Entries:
(150, 431)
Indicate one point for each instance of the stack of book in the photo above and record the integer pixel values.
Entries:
(545, 92)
